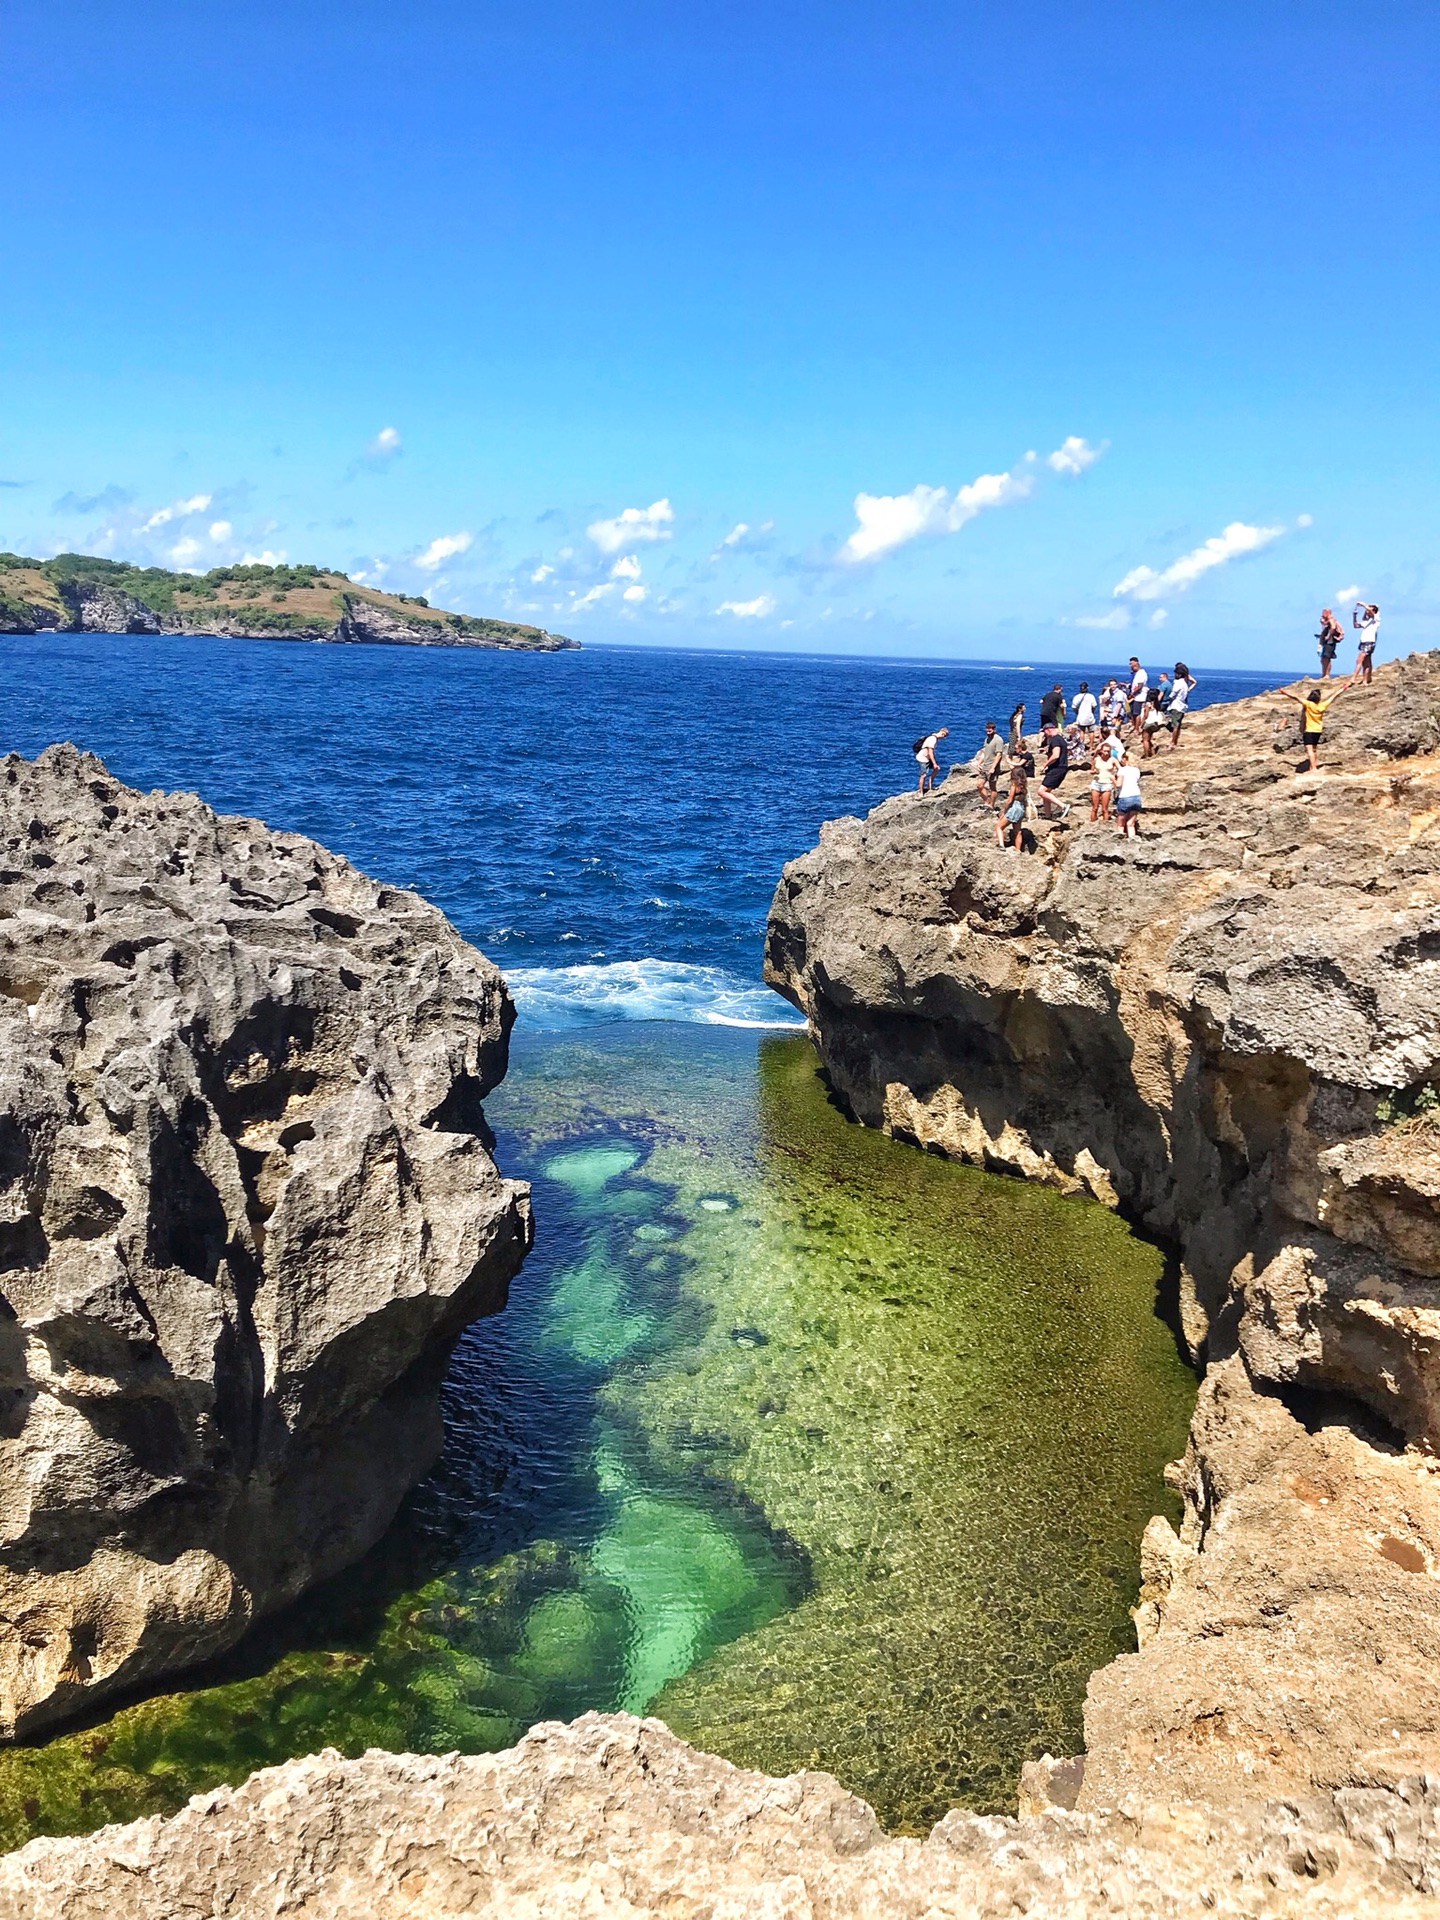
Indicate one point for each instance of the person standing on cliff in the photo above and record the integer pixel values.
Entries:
(1330, 635)
(925, 758)
(987, 764)
(1052, 707)
(1010, 824)
(1313, 711)
(1085, 713)
(1127, 798)
(1139, 691)
(1180, 692)
(1057, 765)
(1367, 621)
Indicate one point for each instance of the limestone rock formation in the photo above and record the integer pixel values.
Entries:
(614, 1816)
(1231, 1029)
(246, 1206)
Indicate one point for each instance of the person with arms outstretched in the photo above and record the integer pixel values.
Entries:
(1314, 708)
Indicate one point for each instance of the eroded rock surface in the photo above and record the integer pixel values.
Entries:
(615, 1817)
(1232, 1030)
(246, 1206)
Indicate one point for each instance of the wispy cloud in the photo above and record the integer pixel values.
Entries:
(442, 548)
(627, 567)
(755, 609)
(1113, 622)
(890, 520)
(1148, 583)
(631, 525)
(377, 454)
(743, 534)
(1074, 455)
(177, 510)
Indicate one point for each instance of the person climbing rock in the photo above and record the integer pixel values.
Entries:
(1057, 765)
(925, 758)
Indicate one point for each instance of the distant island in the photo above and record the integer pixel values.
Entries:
(81, 593)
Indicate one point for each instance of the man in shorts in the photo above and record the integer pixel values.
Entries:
(1367, 621)
(987, 764)
(1139, 691)
(925, 758)
(1314, 708)
(1086, 712)
(1057, 765)
(1330, 635)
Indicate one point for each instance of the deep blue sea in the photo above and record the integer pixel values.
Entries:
(608, 824)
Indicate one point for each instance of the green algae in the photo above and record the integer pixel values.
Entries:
(828, 1451)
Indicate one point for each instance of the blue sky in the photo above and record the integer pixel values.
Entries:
(1007, 331)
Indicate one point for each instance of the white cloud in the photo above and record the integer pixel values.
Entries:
(626, 568)
(220, 530)
(634, 595)
(1304, 519)
(1114, 622)
(890, 520)
(1343, 594)
(176, 511)
(184, 551)
(1144, 583)
(755, 609)
(736, 534)
(542, 573)
(385, 445)
(589, 599)
(1159, 617)
(632, 524)
(441, 549)
(1074, 455)
(265, 559)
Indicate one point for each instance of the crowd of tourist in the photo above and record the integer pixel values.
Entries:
(1111, 734)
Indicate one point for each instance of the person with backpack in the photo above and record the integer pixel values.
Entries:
(924, 751)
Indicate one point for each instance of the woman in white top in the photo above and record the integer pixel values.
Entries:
(1127, 799)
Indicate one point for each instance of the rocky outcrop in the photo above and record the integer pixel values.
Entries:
(614, 1816)
(99, 608)
(246, 1206)
(1230, 1029)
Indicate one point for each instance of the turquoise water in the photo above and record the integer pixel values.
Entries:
(829, 1452)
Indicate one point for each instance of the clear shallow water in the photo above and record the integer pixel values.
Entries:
(827, 1451)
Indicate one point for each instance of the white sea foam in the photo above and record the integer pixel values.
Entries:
(555, 998)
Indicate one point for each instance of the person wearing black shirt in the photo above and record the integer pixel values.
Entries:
(1052, 706)
(1057, 765)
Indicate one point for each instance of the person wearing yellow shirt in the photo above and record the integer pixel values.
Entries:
(1314, 709)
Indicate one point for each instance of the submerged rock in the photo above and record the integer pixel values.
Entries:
(246, 1206)
(615, 1816)
(1231, 1029)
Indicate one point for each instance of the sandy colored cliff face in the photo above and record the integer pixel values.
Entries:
(245, 1207)
(615, 1818)
(1231, 1030)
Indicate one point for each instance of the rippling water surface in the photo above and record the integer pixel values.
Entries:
(827, 1451)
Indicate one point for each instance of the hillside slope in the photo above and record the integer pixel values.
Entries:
(78, 592)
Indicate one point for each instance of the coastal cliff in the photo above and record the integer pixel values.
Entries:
(1230, 1030)
(246, 1207)
(80, 593)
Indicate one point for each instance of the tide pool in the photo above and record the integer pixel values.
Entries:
(826, 1451)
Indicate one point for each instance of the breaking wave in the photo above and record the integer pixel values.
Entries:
(556, 998)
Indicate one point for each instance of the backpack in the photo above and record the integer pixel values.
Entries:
(920, 743)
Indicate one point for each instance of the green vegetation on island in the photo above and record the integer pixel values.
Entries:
(77, 592)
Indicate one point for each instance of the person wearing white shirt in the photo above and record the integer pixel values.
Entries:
(1366, 618)
(1182, 688)
(1139, 690)
(1085, 709)
(1127, 799)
